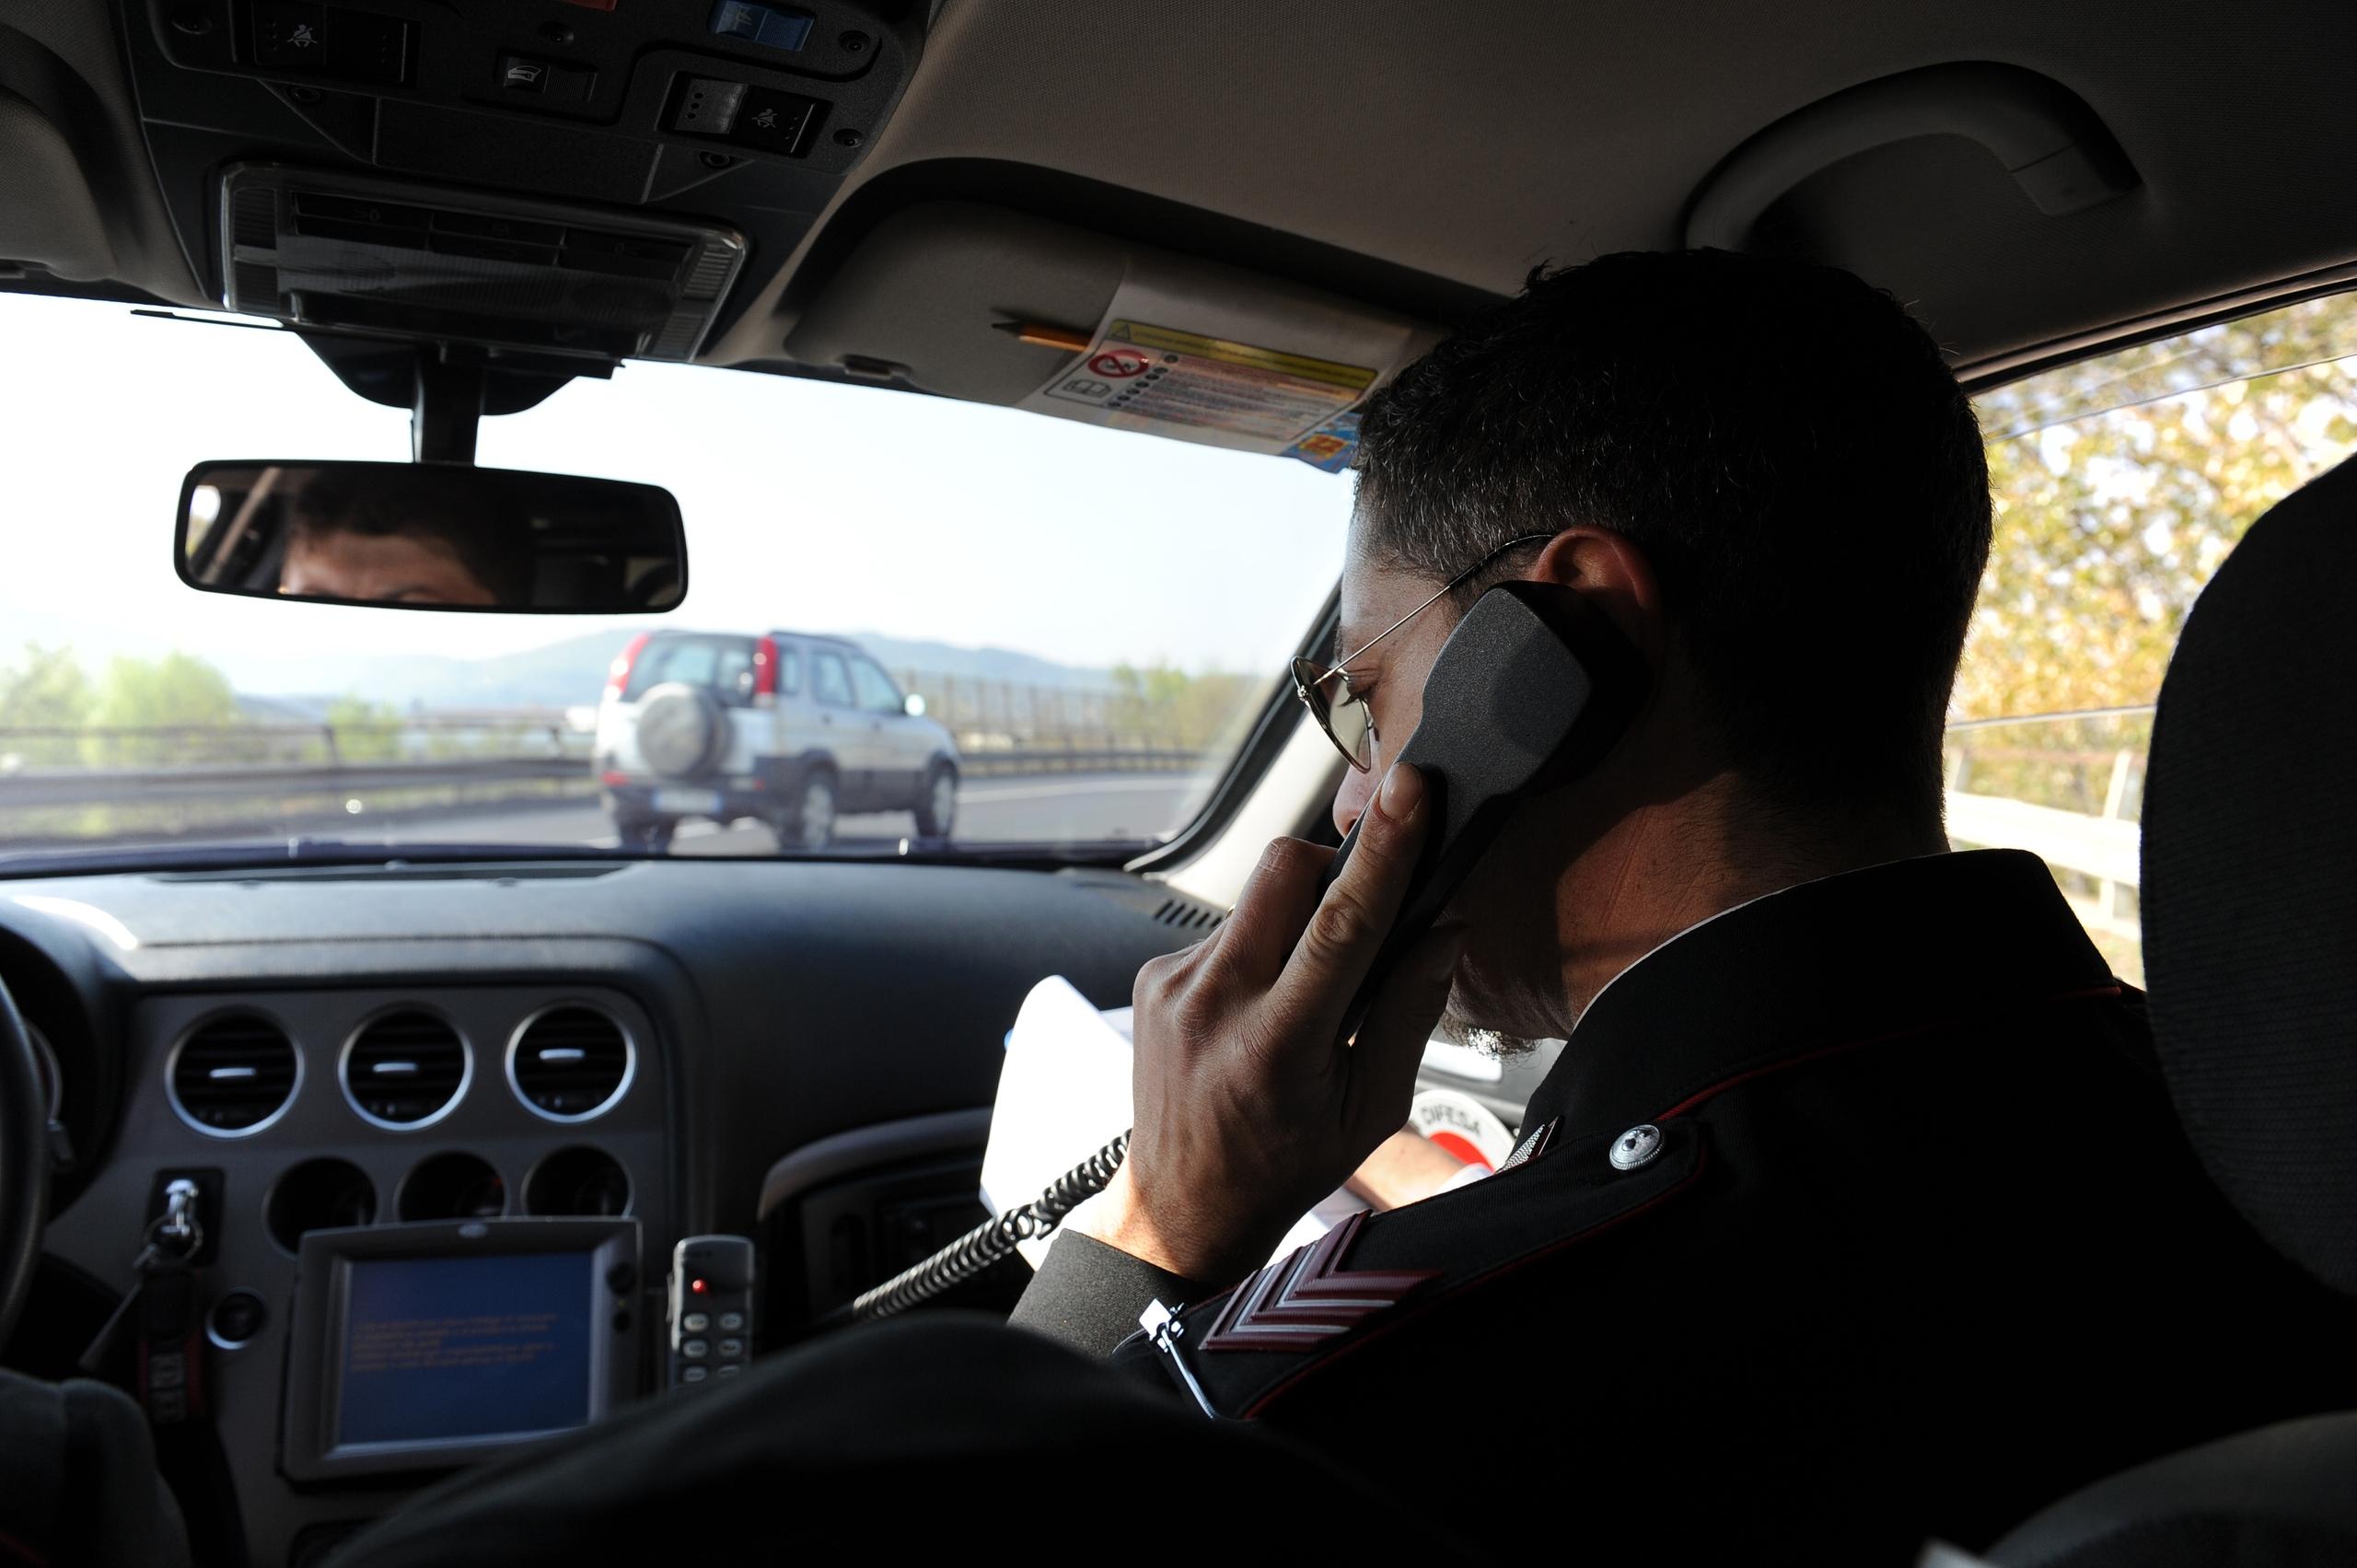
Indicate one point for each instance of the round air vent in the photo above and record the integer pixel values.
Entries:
(570, 1062)
(405, 1068)
(454, 1186)
(232, 1074)
(319, 1194)
(578, 1180)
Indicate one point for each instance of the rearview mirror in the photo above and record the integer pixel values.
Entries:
(431, 536)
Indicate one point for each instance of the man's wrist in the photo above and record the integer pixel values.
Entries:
(1121, 1219)
(1116, 1218)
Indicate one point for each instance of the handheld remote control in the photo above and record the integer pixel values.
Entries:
(711, 1309)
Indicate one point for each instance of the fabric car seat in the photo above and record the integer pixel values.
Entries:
(2249, 895)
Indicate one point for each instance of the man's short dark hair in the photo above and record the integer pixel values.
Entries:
(465, 511)
(1786, 447)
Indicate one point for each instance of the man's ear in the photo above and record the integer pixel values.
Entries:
(1616, 578)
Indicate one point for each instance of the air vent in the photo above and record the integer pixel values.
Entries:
(232, 1074)
(570, 1062)
(1188, 915)
(404, 1069)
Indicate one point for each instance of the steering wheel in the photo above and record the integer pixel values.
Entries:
(24, 1162)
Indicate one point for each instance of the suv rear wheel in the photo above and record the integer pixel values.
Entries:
(937, 805)
(812, 825)
(646, 835)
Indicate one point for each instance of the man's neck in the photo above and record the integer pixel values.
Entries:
(1669, 867)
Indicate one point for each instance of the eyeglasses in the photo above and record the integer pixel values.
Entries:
(1339, 711)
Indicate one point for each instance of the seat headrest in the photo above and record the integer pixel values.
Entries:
(2250, 878)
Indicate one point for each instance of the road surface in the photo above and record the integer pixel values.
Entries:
(1047, 808)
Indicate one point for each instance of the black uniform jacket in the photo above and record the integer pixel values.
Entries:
(1853, 1217)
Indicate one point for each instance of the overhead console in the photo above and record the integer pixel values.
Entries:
(576, 176)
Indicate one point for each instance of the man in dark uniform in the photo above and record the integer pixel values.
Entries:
(1853, 1212)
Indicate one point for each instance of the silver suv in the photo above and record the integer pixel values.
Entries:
(783, 728)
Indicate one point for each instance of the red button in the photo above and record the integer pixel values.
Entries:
(697, 1286)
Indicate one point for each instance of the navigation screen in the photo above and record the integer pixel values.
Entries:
(438, 1349)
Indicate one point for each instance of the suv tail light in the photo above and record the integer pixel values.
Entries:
(618, 672)
(764, 671)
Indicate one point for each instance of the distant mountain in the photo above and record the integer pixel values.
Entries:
(978, 664)
(573, 671)
(557, 675)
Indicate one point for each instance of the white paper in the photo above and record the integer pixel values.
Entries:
(1064, 1093)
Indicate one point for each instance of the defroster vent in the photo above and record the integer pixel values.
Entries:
(232, 1074)
(570, 1062)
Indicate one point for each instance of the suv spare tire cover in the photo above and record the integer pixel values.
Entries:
(679, 730)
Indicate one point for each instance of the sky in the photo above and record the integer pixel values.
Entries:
(808, 506)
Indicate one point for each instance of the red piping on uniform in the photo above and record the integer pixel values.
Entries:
(1415, 1310)
(1412, 1309)
(1723, 1085)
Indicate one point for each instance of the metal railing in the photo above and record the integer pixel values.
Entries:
(2065, 787)
(112, 786)
(2069, 788)
(74, 783)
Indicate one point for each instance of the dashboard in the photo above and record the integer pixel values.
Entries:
(799, 1052)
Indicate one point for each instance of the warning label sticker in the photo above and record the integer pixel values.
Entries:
(1158, 375)
(1257, 376)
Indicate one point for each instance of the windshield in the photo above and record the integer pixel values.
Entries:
(1074, 627)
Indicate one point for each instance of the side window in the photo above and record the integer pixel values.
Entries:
(877, 693)
(2119, 485)
(828, 682)
(789, 672)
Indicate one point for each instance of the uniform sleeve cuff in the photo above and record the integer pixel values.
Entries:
(1088, 1295)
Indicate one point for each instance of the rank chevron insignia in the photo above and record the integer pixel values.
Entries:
(1308, 1296)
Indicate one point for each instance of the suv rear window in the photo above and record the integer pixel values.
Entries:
(721, 663)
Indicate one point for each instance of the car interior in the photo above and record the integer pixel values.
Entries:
(769, 1076)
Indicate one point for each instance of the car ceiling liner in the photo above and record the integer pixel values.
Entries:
(990, 304)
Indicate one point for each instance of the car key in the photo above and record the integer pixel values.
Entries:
(711, 1309)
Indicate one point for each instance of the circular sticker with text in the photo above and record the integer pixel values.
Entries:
(1462, 1126)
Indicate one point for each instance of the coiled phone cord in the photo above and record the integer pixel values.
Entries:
(989, 1242)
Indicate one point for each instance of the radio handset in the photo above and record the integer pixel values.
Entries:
(1530, 691)
(1528, 694)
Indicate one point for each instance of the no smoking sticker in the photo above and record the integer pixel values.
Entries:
(1118, 363)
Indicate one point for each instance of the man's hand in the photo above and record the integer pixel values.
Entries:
(1249, 1107)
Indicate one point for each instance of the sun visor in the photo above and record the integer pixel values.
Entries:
(990, 306)
(48, 215)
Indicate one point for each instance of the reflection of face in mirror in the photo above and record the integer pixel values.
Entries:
(389, 537)
(431, 536)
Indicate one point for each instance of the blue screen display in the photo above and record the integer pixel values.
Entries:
(438, 1349)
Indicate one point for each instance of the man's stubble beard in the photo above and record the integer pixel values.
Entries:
(1456, 1029)
(1508, 986)
(1474, 1014)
